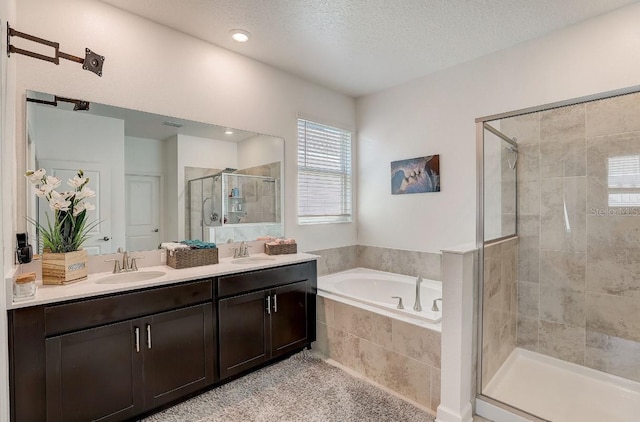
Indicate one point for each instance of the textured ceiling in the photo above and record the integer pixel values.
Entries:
(362, 46)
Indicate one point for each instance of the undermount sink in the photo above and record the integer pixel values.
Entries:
(252, 260)
(130, 277)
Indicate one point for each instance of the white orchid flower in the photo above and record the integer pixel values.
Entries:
(86, 192)
(60, 204)
(77, 181)
(35, 176)
(89, 207)
(78, 208)
(52, 181)
(43, 191)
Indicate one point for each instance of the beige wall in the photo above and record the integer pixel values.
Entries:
(579, 292)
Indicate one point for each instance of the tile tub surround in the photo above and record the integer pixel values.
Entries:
(578, 285)
(398, 355)
(499, 321)
(396, 261)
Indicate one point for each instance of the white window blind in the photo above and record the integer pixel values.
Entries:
(624, 181)
(324, 173)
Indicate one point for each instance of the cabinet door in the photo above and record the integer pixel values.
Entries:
(178, 353)
(242, 337)
(94, 375)
(289, 318)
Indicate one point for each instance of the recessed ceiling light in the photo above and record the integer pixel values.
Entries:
(228, 132)
(240, 35)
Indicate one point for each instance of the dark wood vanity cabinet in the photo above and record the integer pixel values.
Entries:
(115, 357)
(104, 360)
(257, 324)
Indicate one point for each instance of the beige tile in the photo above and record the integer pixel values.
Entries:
(525, 128)
(336, 259)
(613, 267)
(406, 376)
(361, 323)
(528, 299)
(492, 276)
(528, 166)
(529, 259)
(613, 115)
(563, 269)
(528, 197)
(614, 228)
(509, 266)
(614, 315)
(527, 334)
(493, 250)
(563, 306)
(563, 159)
(613, 355)
(322, 340)
(435, 388)
(324, 310)
(344, 348)
(563, 214)
(562, 124)
(562, 341)
(412, 263)
(508, 224)
(416, 342)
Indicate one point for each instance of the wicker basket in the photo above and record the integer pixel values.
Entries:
(280, 249)
(187, 258)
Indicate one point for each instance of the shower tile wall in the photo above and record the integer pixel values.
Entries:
(260, 201)
(499, 305)
(579, 257)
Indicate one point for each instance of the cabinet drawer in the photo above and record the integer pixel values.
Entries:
(93, 312)
(263, 279)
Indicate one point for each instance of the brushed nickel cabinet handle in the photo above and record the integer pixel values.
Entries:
(269, 305)
(149, 336)
(275, 303)
(137, 331)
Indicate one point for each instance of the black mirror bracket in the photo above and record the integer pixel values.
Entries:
(92, 61)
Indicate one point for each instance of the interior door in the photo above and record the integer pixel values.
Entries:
(142, 212)
(99, 241)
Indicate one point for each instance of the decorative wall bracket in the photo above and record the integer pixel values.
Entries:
(92, 62)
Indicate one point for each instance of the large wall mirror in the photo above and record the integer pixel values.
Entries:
(157, 178)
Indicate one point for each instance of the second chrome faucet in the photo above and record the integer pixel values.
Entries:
(128, 263)
(417, 306)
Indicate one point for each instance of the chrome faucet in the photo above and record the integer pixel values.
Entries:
(434, 307)
(416, 306)
(128, 263)
(242, 251)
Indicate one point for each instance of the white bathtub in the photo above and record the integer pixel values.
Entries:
(373, 290)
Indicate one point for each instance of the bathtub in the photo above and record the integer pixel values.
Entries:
(373, 291)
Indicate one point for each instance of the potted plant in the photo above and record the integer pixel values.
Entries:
(63, 259)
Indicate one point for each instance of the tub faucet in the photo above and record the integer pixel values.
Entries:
(434, 307)
(416, 306)
(400, 305)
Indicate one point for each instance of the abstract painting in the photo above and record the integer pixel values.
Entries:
(416, 175)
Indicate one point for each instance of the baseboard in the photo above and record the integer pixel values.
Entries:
(449, 415)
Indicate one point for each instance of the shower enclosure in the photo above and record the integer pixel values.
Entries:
(233, 207)
(559, 279)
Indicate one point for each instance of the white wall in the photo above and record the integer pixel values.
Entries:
(153, 68)
(200, 152)
(435, 115)
(259, 150)
(7, 189)
(73, 136)
(143, 156)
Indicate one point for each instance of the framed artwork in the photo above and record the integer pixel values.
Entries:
(416, 175)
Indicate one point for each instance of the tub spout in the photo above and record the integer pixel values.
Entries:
(416, 306)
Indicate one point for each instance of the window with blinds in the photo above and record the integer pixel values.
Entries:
(324, 173)
(624, 181)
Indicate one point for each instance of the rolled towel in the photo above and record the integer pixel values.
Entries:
(198, 244)
(172, 246)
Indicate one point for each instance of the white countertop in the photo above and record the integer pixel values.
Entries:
(88, 287)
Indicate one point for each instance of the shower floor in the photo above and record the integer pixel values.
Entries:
(563, 392)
